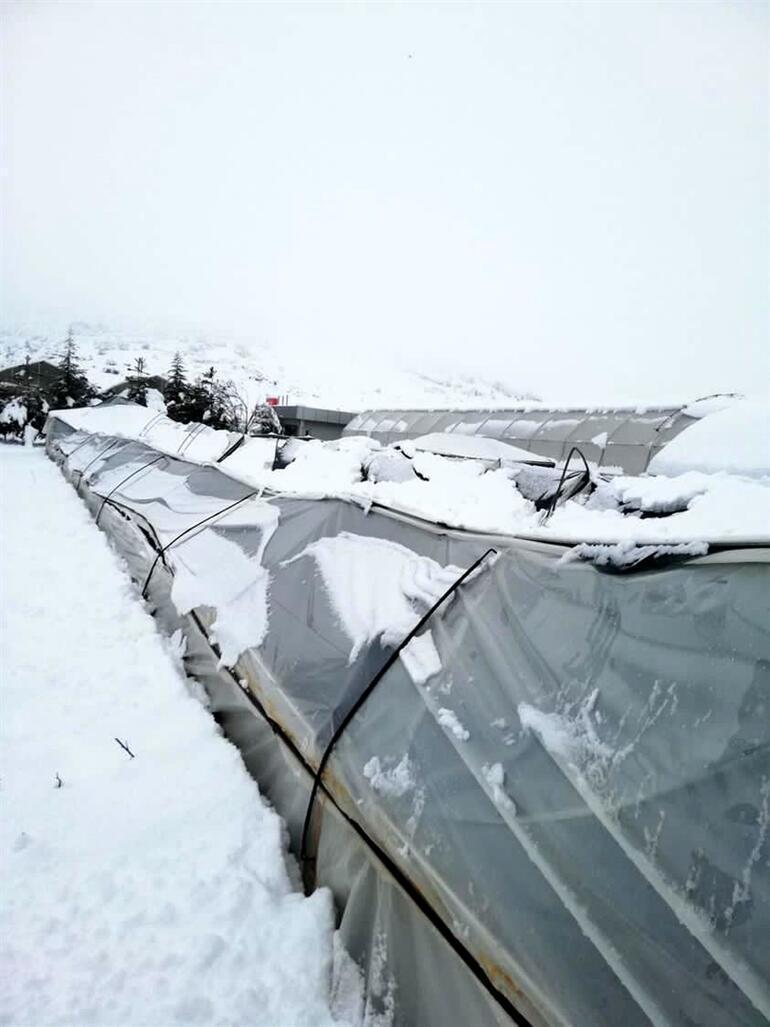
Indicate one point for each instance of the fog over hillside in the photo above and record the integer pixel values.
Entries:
(567, 200)
(260, 370)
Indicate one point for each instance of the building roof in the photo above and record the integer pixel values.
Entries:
(40, 372)
(303, 413)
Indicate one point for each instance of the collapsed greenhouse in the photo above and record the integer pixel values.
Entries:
(538, 787)
(622, 437)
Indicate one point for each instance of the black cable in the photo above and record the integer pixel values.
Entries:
(229, 452)
(144, 467)
(408, 886)
(187, 531)
(237, 445)
(146, 526)
(304, 859)
(404, 882)
(557, 493)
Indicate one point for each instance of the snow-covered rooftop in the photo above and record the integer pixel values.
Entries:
(735, 438)
(475, 448)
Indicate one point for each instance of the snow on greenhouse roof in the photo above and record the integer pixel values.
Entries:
(476, 448)
(617, 437)
(735, 439)
(717, 507)
(196, 442)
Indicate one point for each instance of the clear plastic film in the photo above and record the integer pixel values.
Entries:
(569, 767)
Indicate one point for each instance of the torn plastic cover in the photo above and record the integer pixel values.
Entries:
(581, 787)
(596, 808)
(541, 485)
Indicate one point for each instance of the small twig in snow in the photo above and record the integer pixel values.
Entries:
(124, 746)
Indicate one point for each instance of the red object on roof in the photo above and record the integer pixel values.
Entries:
(272, 401)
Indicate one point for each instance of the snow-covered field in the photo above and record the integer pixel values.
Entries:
(152, 890)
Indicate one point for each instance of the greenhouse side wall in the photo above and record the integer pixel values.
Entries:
(411, 974)
(552, 809)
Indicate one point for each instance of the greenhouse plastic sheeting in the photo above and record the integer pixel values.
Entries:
(554, 808)
(613, 438)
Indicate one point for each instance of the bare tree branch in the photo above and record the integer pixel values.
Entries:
(124, 746)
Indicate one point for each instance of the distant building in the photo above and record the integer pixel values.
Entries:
(38, 374)
(313, 421)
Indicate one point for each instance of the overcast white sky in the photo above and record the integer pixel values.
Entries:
(570, 194)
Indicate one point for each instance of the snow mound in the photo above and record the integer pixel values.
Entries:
(735, 439)
(252, 460)
(320, 468)
(14, 412)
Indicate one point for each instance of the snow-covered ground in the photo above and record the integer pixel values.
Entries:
(152, 890)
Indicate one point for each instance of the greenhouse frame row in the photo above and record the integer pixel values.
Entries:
(621, 438)
(549, 805)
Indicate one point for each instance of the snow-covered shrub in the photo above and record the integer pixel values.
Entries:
(13, 418)
(21, 415)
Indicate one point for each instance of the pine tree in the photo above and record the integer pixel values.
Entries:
(176, 393)
(176, 380)
(211, 397)
(72, 388)
(204, 401)
(264, 421)
(137, 383)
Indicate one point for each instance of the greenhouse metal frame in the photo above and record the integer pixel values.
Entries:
(565, 822)
(621, 438)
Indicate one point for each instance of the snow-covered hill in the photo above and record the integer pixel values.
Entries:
(260, 370)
